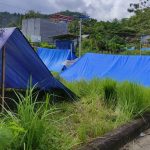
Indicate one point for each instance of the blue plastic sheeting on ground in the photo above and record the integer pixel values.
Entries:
(145, 49)
(55, 59)
(131, 49)
(22, 63)
(121, 68)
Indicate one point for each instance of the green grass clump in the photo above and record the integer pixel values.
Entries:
(5, 136)
(84, 89)
(110, 91)
(133, 100)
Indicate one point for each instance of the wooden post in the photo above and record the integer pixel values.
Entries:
(3, 78)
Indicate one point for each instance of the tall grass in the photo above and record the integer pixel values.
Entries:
(133, 100)
(5, 136)
(127, 97)
(106, 104)
(29, 127)
(110, 91)
(102, 106)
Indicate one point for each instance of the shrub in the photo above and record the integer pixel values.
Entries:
(46, 45)
(132, 100)
(110, 91)
(6, 136)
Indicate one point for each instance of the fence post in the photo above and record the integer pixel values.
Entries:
(3, 78)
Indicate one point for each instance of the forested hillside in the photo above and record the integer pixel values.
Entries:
(8, 20)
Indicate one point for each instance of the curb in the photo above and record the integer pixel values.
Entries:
(121, 136)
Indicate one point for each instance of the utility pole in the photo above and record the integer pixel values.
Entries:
(80, 36)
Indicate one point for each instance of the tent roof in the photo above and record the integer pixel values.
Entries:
(118, 67)
(5, 33)
(55, 59)
(22, 63)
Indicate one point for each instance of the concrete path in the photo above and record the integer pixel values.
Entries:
(141, 143)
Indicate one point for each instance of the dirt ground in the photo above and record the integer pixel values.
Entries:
(141, 143)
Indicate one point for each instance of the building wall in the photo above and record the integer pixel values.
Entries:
(39, 30)
(49, 29)
(31, 29)
(145, 39)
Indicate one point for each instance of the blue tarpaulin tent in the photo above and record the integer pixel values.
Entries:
(22, 63)
(117, 67)
(55, 59)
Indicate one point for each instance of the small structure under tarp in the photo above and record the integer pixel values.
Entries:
(56, 60)
(66, 41)
(19, 63)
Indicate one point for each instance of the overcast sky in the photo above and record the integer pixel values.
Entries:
(99, 9)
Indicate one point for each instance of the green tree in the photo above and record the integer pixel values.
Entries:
(116, 44)
(142, 4)
(32, 14)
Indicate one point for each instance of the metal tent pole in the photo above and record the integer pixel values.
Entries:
(3, 77)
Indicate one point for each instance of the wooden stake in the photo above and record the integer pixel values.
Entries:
(3, 78)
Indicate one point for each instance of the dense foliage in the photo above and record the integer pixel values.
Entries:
(115, 35)
(10, 20)
(142, 4)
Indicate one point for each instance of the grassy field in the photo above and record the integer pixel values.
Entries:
(101, 107)
(135, 52)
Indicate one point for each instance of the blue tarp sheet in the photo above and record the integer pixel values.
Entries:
(131, 49)
(121, 68)
(145, 49)
(65, 44)
(55, 59)
(22, 63)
